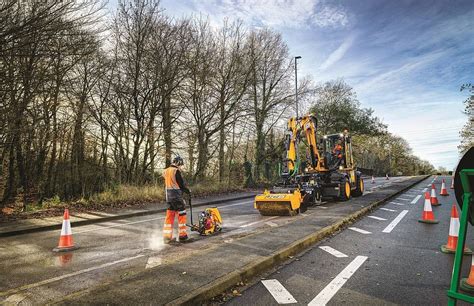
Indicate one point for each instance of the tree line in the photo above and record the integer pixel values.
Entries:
(90, 100)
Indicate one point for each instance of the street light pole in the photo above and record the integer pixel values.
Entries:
(296, 84)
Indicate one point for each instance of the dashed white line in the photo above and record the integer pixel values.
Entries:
(395, 221)
(333, 287)
(256, 222)
(404, 199)
(271, 224)
(424, 190)
(333, 251)
(323, 207)
(377, 218)
(359, 230)
(396, 203)
(279, 293)
(387, 209)
(416, 199)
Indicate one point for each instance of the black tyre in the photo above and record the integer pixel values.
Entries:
(359, 187)
(344, 190)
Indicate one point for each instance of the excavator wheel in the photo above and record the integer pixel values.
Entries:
(344, 190)
(359, 187)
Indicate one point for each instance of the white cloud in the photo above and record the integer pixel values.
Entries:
(275, 13)
(338, 54)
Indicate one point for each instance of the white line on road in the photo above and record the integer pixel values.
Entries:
(416, 199)
(333, 251)
(387, 209)
(271, 224)
(333, 287)
(377, 218)
(256, 222)
(55, 279)
(279, 293)
(395, 221)
(356, 229)
(396, 203)
(403, 199)
(117, 225)
(236, 204)
(152, 262)
(424, 190)
(323, 207)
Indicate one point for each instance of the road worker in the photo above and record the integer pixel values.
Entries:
(337, 153)
(174, 188)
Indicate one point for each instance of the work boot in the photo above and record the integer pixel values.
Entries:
(185, 239)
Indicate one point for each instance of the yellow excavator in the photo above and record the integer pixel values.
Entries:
(329, 171)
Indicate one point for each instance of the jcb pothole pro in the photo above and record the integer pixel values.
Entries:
(325, 174)
(210, 221)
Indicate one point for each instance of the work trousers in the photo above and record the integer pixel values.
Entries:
(171, 212)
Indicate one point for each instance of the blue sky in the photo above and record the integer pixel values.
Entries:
(405, 59)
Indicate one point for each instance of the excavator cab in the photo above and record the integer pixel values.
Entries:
(331, 151)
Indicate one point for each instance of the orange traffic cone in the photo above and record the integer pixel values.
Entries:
(443, 192)
(428, 215)
(373, 179)
(386, 176)
(452, 182)
(434, 199)
(65, 240)
(467, 284)
(450, 247)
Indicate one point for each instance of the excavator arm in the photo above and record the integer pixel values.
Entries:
(308, 123)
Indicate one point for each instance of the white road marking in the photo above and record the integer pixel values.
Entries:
(396, 203)
(333, 287)
(395, 221)
(387, 209)
(377, 218)
(424, 190)
(271, 224)
(153, 261)
(416, 199)
(260, 221)
(58, 278)
(279, 293)
(356, 229)
(403, 199)
(236, 204)
(117, 225)
(333, 251)
(15, 299)
(323, 207)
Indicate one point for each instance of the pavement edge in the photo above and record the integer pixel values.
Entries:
(249, 271)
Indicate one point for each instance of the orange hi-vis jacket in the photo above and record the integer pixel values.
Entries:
(173, 192)
(337, 150)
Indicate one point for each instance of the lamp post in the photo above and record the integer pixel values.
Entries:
(296, 84)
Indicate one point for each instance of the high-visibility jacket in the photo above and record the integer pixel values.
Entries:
(174, 184)
(337, 150)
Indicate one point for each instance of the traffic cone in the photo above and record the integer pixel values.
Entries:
(428, 215)
(443, 192)
(452, 182)
(386, 176)
(450, 247)
(434, 199)
(65, 240)
(467, 284)
(373, 179)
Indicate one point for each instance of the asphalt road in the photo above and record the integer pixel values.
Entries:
(109, 251)
(389, 259)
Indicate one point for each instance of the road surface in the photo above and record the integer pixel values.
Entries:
(386, 258)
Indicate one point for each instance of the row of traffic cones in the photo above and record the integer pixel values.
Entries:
(467, 284)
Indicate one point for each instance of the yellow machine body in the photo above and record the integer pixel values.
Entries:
(278, 204)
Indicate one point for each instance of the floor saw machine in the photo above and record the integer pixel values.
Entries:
(209, 223)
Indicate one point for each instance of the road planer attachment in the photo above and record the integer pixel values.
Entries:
(278, 204)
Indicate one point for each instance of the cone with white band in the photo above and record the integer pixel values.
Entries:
(428, 215)
(467, 284)
(65, 240)
(452, 182)
(443, 192)
(373, 179)
(386, 176)
(434, 198)
(450, 247)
